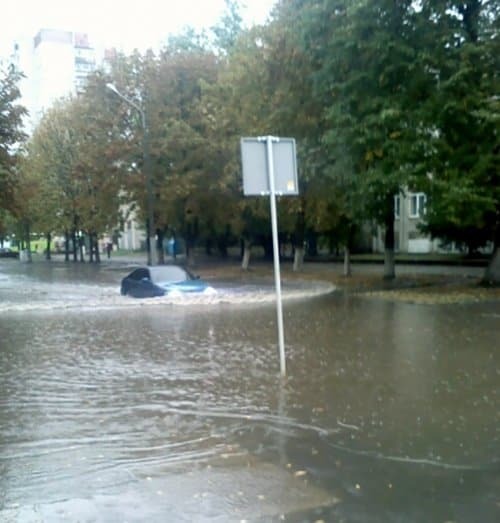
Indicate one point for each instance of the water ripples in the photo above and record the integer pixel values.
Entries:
(174, 405)
(71, 298)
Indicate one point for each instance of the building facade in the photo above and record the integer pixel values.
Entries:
(409, 212)
(61, 62)
(130, 236)
(55, 63)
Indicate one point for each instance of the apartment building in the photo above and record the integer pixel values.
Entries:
(55, 63)
(409, 211)
(61, 61)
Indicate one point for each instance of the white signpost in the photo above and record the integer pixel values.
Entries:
(270, 168)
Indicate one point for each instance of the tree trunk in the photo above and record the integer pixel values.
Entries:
(492, 272)
(75, 246)
(298, 259)
(247, 250)
(190, 257)
(160, 248)
(28, 242)
(312, 243)
(66, 246)
(267, 245)
(96, 247)
(347, 261)
(91, 248)
(47, 250)
(222, 241)
(190, 235)
(174, 247)
(80, 248)
(148, 244)
(389, 266)
(299, 237)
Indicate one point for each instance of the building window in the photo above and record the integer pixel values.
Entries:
(397, 206)
(417, 204)
(80, 84)
(82, 67)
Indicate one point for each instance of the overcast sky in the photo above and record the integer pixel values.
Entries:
(126, 24)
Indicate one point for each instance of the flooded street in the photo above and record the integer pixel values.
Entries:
(171, 409)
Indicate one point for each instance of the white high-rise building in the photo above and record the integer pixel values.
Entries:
(61, 60)
(55, 63)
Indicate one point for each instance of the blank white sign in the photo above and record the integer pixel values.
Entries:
(254, 165)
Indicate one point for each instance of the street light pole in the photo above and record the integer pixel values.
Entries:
(149, 190)
(146, 157)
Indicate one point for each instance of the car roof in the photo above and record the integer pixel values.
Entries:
(168, 273)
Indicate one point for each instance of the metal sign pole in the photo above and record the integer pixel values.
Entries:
(277, 277)
(269, 166)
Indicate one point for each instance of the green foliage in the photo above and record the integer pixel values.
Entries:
(462, 177)
(229, 28)
(381, 96)
(11, 135)
(70, 175)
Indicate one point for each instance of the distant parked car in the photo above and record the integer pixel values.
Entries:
(148, 282)
(6, 252)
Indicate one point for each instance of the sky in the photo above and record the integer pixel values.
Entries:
(125, 24)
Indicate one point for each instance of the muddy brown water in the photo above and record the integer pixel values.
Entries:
(114, 409)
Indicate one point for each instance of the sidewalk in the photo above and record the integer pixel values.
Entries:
(360, 264)
(418, 283)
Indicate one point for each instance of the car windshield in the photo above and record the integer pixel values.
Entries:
(168, 274)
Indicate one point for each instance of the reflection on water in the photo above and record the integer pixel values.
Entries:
(139, 412)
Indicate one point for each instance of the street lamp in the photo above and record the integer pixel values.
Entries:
(150, 230)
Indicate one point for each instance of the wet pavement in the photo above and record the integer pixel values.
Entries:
(114, 409)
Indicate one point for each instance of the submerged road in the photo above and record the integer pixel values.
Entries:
(113, 409)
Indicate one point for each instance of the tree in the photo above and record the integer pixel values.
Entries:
(239, 104)
(98, 170)
(185, 151)
(460, 171)
(11, 136)
(264, 88)
(294, 110)
(49, 167)
(72, 161)
(229, 27)
(374, 107)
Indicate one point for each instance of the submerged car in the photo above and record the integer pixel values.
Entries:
(148, 282)
(5, 252)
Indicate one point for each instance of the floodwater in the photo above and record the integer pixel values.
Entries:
(172, 409)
